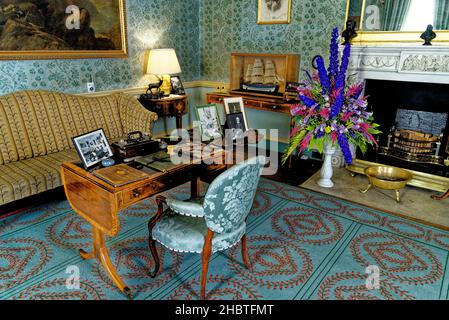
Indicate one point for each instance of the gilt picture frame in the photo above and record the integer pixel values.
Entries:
(274, 11)
(79, 29)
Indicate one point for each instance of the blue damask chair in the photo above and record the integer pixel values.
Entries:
(210, 224)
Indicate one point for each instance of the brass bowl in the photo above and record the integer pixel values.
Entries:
(388, 178)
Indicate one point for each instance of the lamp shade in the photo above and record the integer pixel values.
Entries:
(163, 62)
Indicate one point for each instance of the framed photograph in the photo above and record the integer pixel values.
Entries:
(236, 123)
(177, 86)
(235, 105)
(79, 29)
(209, 120)
(93, 147)
(274, 12)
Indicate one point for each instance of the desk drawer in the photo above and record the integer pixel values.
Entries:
(164, 183)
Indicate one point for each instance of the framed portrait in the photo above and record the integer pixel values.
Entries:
(177, 86)
(93, 148)
(274, 11)
(209, 119)
(63, 29)
(236, 124)
(235, 105)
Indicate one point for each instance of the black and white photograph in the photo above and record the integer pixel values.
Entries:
(93, 147)
(210, 125)
(274, 11)
(177, 86)
(236, 124)
(236, 105)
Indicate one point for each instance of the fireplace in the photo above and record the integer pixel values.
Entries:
(414, 121)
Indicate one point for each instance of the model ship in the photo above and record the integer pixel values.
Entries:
(261, 78)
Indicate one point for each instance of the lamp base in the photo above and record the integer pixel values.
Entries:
(166, 86)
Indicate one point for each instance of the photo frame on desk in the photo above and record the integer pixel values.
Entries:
(210, 126)
(93, 147)
(235, 105)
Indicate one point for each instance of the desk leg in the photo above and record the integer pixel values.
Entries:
(196, 188)
(100, 252)
(444, 196)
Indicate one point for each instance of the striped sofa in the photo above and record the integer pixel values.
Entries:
(36, 130)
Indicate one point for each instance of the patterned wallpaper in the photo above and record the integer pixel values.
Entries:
(231, 26)
(151, 24)
(204, 33)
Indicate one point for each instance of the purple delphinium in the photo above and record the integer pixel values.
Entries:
(333, 64)
(307, 101)
(322, 73)
(338, 104)
(344, 145)
(341, 78)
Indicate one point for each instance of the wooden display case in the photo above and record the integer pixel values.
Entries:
(286, 67)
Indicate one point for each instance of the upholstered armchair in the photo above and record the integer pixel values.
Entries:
(210, 224)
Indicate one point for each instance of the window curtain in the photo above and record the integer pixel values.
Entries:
(395, 14)
(441, 14)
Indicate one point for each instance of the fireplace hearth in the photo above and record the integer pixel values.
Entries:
(414, 121)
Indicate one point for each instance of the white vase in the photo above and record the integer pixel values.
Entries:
(327, 171)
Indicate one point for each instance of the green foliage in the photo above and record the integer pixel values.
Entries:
(293, 145)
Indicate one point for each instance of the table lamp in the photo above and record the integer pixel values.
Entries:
(163, 63)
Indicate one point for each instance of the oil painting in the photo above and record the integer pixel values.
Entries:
(49, 29)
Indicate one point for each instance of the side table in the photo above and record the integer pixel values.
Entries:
(171, 106)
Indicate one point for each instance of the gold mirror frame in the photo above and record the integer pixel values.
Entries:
(75, 54)
(391, 37)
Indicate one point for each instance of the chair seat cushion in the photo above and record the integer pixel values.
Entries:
(186, 234)
(29, 177)
(191, 208)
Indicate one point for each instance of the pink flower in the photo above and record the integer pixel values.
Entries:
(325, 113)
(334, 136)
(346, 116)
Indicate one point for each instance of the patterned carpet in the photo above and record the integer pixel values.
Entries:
(303, 245)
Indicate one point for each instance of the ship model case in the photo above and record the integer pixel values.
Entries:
(135, 145)
(263, 74)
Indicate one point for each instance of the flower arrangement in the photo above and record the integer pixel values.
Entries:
(332, 110)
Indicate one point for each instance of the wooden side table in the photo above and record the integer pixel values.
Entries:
(171, 106)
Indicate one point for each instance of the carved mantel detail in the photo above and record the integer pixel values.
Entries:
(401, 63)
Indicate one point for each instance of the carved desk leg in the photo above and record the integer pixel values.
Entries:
(444, 196)
(100, 252)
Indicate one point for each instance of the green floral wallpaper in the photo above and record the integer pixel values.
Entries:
(151, 24)
(230, 26)
(204, 33)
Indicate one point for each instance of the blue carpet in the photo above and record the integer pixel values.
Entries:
(303, 245)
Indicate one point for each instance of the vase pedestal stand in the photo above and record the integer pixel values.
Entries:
(327, 171)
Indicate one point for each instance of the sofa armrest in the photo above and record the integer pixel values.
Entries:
(134, 116)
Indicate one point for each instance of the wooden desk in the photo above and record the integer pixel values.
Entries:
(172, 106)
(99, 202)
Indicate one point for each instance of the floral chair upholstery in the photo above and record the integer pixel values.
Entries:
(210, 224)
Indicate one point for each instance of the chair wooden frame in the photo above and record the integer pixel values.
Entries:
(206, 253)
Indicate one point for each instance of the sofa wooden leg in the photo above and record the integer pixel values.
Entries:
(207, 252)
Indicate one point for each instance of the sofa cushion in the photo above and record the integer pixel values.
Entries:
(29, 177)
(37, 123)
